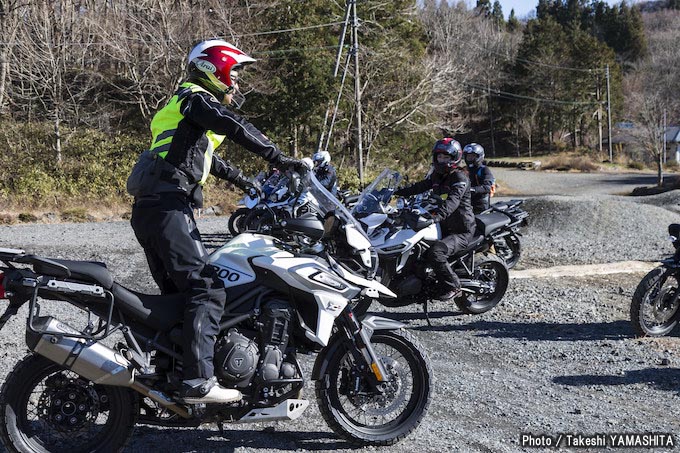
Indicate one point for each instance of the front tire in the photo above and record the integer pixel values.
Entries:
(236, 221)
(364, 417)
(44, 408)
(492, 272)
(654, 308)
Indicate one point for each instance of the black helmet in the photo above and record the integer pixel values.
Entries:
(449, 147)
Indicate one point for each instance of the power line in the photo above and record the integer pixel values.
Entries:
(508, 95)
(330, 24)
(538, 63)
(271, 32)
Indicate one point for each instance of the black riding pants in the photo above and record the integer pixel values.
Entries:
(165, 227)
(438, 256)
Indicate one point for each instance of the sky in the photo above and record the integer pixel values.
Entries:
(524, 7)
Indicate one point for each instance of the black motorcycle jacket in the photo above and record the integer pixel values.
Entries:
(185, 134)
(455, 213)
(327, 177)
(482, 181)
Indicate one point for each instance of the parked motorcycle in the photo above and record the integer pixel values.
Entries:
(506, 238)
(273, 203)
(654, 310)
(75, 393)
(401, 242)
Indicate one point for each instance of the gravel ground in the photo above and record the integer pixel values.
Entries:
(556, 356)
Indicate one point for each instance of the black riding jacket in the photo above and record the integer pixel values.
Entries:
(455, 213)
(327, 177)
(481, 180)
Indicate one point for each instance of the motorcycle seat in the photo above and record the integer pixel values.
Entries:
(472, 245)
(88, 271)
(162, 312)
(491, 221)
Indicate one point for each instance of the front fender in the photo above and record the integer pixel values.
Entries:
(370, 324)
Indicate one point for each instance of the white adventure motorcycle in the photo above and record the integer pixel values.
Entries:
(401, 239)
(74, 392)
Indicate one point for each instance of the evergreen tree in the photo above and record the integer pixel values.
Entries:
(497, 13)
(297, 79)
(513, 23)
(484, 7)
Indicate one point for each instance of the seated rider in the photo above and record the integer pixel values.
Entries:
(481, 179)
(450, 181)
(324, 171)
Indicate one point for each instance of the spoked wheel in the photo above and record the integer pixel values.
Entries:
(492, 275)
(236, 221)
(364, 416)
(509, 249)
(44, 408)
(654, 309)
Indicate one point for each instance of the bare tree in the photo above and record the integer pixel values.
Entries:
(9, 25)
(652, 86)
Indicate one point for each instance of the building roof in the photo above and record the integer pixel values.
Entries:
(673, 134)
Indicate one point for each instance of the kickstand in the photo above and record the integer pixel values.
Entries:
(220, 426)
(427, 313)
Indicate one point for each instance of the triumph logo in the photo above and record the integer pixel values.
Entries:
(238, 362)
(205, 66)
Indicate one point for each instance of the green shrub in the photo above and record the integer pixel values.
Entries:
(636, 165)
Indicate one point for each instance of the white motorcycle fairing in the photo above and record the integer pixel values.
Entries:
(404, 240)
(253, 256)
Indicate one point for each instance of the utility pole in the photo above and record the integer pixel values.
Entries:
(338, 56)
(609, 115)
(357, 91)
(599, 111)
(663, 136)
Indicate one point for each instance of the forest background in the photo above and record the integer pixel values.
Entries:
(80, 81)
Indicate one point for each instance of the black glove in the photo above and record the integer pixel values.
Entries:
(283, 161)
(248, 186)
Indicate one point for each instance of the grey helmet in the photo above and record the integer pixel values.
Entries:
(473, 154)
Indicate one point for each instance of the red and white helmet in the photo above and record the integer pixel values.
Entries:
(211, 63)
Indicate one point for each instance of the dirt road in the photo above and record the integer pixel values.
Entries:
(557, 356)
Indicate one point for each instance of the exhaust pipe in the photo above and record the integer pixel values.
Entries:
(91, 360)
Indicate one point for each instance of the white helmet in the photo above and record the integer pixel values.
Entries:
(321, 158)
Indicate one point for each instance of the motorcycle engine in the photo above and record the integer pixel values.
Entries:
(236, 357)
(244, 354)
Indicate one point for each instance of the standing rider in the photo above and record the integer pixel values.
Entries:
(450, 181)
(481, 179)
(167, 183)
(324, 171)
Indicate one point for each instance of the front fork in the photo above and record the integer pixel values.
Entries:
(359, 334)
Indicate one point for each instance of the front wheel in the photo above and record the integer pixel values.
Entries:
(364, 416)
(236, 221)
(654, 308)
(44, 408)
(491, 274)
